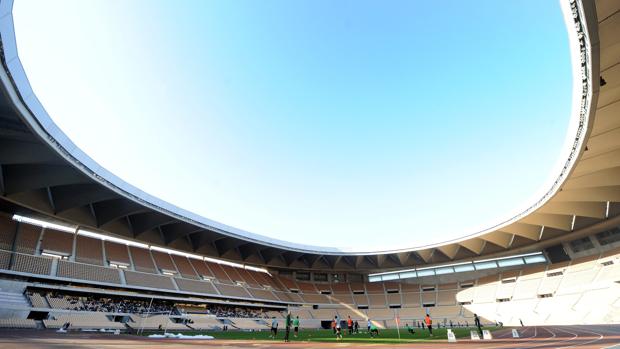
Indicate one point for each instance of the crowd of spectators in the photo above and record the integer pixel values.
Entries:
(107, 304)
(131, 306)
(235, 312)
(142, 306)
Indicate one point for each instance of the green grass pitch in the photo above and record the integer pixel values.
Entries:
(385, 336)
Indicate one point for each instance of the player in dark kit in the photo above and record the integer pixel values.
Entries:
(287, 326)
(477, 323)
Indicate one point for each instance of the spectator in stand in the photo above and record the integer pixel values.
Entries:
(139, 306)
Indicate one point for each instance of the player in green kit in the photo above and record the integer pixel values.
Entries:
(296, 326)
(374, 331)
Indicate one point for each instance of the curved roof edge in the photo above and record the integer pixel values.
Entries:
(583, 62)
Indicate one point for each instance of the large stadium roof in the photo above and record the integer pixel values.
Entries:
(44, 173)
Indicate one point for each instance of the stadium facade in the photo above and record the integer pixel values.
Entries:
(70, 229)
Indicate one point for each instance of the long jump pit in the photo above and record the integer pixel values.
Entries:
(541, 337)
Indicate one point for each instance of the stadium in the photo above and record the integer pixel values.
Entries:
(88, 260)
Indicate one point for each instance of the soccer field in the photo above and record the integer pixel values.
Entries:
(385, 336)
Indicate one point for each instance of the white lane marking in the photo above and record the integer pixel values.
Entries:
(520, 344)
(587, 342)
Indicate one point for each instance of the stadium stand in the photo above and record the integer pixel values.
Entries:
(203, 322)
(82, 321)
(219, 273)
(506, 292)
(233, 291)
(154, 322)
(289, 284)
(196, 286)
(315, 298)
(88, 250)
(184, 267)
(583, 288)
(342, 298)
(88, 272)
(148, 280)
(164, 262)
(37, 300)
(556, 294)
(142, 260)
(337, 288)
(27, 239)
(7, 233)
(376, 301)
(262, 294)
(17, 323)
(232, 273)
(32, 264)
(249, 324)
(57, 242)
(5, 259)
(394, 299)
(307, 287)
(361, 299)
(446, 297)
(57, 301)
(201, 268)
(116, 253)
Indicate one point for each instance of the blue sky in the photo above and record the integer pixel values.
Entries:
(351, 124)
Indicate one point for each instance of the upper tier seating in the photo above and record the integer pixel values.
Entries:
(184, 267)
(232, 273)
(315, 298)
(195, 286)
(307, 287)
(117, 253)
(57, 241)
(201, 268)
(88, 250)
(163, 261)
(219, 273)
(343, 298)
(148, 280)
(233, 291)
(32, 264)
(142, 260)
(394, 299)
(27, 238)
(88, 272)
(7, 233)
(262, 294)
(5, 259)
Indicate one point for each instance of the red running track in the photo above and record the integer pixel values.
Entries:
(543, 337)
